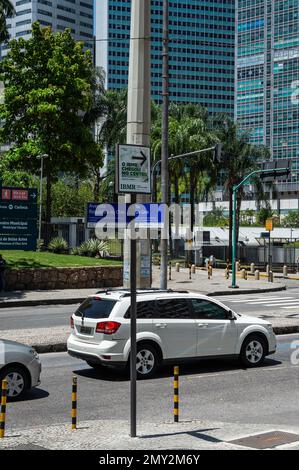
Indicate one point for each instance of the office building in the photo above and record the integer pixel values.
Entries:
(267, 79)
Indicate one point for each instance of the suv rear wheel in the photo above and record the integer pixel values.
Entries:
(147, 361)
(253, 351)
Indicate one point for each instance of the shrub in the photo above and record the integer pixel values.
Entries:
(58, 245)
(93, 247)
(75, 251)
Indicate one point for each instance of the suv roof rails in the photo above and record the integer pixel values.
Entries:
(127, 292)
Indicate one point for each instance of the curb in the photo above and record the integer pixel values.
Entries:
(246, 291)
(77, 300)
(61, 347)
(35, 303)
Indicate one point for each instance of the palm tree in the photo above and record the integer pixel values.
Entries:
(240, 157)
(6, 11)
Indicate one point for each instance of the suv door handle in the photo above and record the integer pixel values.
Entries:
(202, 325)
(161, 325)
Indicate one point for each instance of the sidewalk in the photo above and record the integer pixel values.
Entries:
(114, 434)
(218, 285)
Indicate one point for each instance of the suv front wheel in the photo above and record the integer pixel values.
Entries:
(253, 351)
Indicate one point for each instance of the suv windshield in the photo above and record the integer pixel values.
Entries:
(95, 307)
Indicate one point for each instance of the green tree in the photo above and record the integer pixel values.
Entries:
(216, 218)
(263, 214)
(49, 83)
(291, 220)
(70, 197)
(240, 158)
(6, 11)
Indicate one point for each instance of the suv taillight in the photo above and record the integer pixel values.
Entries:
(107, 327)
(72, 322)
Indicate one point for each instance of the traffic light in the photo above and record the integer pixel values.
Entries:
(217, 153)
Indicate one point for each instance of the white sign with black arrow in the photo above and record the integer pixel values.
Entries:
(133, 172)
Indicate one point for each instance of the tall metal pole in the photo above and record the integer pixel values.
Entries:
(234, 250)
(164, 157)
(40, 197)
(137, 253)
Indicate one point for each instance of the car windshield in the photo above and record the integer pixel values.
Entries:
(95, 307)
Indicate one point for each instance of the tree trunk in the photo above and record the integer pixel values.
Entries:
(177, 201)
(48, 211)
(230, 232)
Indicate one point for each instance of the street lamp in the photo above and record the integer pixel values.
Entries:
(41, 158)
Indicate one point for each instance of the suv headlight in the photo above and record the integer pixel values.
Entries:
(35, 354)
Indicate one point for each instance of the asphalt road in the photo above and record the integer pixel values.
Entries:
(210, 390)
(284, 303)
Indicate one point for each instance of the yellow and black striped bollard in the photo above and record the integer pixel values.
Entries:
(74, 403)
(176, 394)
(3, 408)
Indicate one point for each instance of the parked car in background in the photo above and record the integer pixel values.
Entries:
(20, 366)
(171, 327)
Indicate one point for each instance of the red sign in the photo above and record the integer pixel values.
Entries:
(19, 195)
(6, 194)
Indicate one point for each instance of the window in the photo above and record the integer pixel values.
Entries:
(173, 309)
(203, 309)
(95, 307)
(144, 310)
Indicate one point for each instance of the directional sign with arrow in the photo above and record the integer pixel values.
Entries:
(133, 172)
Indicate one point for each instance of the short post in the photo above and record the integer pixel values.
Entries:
(189, 271)
(237, 266)
(252, 268)
(285, 271)
(227, 270)
(257, 275)
(267, 270)
(74, 403)
(243, 273)
(210, 271)
(177, 267)
(169, 271)
(270, 276)
(3, 408)
(176, 394)
(193, 269)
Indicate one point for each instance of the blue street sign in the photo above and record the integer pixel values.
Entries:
(121, 214)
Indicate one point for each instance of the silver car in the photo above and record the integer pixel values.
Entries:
(20, 366)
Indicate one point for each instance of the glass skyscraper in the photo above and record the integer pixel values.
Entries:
(78, 15)
(267, 77)
(202, 40)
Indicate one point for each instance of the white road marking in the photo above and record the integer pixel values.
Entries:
(264, 299)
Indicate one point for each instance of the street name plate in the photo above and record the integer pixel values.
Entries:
(18, 242)
(18, 194)
(10, 209)
(133, 172)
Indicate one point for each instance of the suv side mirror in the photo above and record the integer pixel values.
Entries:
(230, 315)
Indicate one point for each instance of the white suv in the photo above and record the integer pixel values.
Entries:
(171, 327)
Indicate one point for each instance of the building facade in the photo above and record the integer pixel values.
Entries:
(77, 15)
(201, 49)
(267, 78)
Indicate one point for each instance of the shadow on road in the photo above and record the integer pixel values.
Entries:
(201, 367)
(34, 394)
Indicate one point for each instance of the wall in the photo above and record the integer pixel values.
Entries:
(63, 278)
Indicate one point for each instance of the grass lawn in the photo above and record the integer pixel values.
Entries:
(33, 259)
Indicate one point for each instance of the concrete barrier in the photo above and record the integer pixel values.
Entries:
(257, 275)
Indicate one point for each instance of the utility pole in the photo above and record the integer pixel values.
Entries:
(138, 122)
(164, 159)
(137, 259)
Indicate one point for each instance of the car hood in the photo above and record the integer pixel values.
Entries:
(252, 320)
(13, 344)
